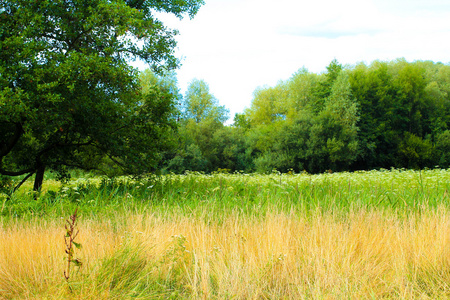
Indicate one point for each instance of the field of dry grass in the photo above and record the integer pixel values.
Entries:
(283, 255)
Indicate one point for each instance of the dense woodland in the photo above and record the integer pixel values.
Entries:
(382, 115)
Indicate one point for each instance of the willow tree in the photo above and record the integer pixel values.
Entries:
(68, 96)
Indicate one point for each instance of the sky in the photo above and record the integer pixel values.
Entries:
(236, 46)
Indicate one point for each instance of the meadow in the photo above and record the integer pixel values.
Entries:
(363, 235)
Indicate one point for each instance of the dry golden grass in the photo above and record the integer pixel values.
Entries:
(364, 255)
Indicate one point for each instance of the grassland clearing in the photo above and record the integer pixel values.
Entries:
(366, 235)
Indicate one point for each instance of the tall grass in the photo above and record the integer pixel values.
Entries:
(394, 190)
(366, 235)
(368, 255)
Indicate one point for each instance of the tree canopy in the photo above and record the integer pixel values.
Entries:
(382, 115)
(68, 96)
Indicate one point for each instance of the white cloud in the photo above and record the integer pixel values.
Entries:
(238, 45)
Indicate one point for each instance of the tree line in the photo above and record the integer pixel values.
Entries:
(69, 99)
(382, 115)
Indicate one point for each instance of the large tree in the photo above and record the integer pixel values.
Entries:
(68, 96)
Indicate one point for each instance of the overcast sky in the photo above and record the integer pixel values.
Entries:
(238, 45)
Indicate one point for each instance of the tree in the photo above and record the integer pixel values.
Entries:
(323, 88)
(376, 97)
(68, 97)
(414, 152)
(302, 87)
(166, 80)
(241, 120)
(200, 104)
(201, 118)
(270, 104)
(443, 148)
(229, 143)
(341, 107)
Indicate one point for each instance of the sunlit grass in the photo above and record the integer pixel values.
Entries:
(401, 191)
(367, 255)
(365, 235)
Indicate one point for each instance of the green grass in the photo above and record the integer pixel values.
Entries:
(402, 191)
(362, 235)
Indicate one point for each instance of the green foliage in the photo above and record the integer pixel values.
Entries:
(397, 100)
(268, 105)
(341, 130)
(69, 99)
(323, 89)
(6, 184)
(414, 152)
(241, 120)
(387, 114)
(200, 147)
(269, 161)
(443, 148)
(67, 94)
(296, 126)
(231, 149)
(201, 105)
(362, 117)
(167, 81)
(191, 159)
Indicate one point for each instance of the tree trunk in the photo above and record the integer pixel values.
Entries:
(39, 178)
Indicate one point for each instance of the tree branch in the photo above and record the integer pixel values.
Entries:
(17, 173)
(117, 162)
(29, 170)
(112, 158)
(53, 146)
(22, 182)
(72, 165)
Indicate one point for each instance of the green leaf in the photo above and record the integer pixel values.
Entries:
(77, 262)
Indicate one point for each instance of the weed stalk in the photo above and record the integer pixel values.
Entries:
(69, 240)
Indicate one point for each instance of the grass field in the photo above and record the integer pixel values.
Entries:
(365, 235)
